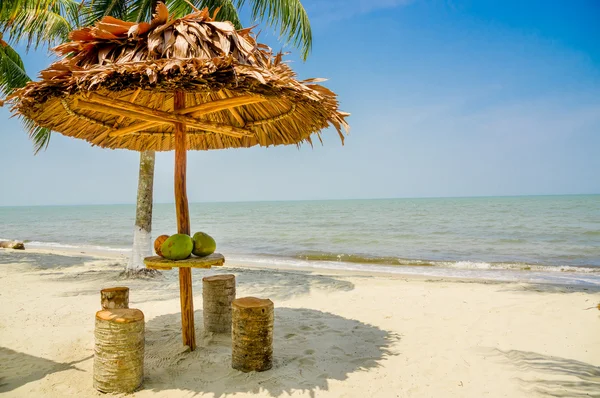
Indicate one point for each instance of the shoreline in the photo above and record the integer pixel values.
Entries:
(392, 273)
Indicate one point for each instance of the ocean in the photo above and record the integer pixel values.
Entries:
(528, 238)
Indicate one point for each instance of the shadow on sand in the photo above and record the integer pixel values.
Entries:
(17, 368)
(310, 349)
(42, 260)
(567, 377)
(277, 285)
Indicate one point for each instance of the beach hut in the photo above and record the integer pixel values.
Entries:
(176, 84)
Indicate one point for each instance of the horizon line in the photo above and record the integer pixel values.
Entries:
(312, 200)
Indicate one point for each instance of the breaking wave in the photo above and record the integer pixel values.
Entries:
(461, 264)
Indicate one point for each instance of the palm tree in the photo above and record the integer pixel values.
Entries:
(46, 21)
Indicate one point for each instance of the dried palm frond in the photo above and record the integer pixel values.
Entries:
(238, 93)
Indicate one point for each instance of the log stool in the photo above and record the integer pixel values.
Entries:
(252, 334)
(114, 297)
(218, 292)
(119, 350)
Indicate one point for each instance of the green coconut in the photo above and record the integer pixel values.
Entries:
(177, 247)
(204, 244)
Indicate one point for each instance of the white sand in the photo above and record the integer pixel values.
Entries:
(336, 334)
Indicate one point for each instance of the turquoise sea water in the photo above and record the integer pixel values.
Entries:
(492, 237)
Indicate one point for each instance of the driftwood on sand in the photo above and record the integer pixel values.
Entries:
(12, 244)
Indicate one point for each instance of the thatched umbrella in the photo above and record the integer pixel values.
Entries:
(188, 83)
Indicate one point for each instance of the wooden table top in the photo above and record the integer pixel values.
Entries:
(157, 262)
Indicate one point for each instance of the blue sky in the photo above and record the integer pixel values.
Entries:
(448, 98)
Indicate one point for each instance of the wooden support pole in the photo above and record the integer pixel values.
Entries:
(99, 103)
(226, 103)
(132, 100)
(160, 117)
(196, 111)
(183, 227)
(233, 112)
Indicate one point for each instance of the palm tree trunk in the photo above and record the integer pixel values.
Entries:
(142, 234)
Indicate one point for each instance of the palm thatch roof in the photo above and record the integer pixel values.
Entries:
(116, 81)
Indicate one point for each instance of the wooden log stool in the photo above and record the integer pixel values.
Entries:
(119, 350)
(252, 334)
(114, 297)
(218, 291)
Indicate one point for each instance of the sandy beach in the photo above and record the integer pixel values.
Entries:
(337, 334)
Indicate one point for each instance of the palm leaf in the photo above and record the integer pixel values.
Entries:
(39, 21)
(141, 10)
(227, 9)
(12, 70)
(39, 135)
(97, 9)
(287, 15)
(13, 75)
